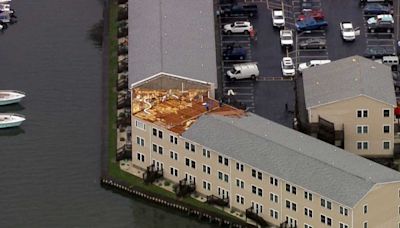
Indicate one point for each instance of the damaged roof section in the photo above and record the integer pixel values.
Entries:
(176, 110)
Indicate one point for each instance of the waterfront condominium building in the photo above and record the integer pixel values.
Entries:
(350, 102)
(279, 174)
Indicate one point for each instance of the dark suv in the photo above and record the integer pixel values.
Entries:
(235, 53)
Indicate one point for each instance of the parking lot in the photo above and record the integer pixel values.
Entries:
(271, 95)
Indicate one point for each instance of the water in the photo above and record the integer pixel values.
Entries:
(49, 168)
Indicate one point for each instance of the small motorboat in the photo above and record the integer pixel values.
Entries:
(5, 1)
(8, 120)
(10, 97)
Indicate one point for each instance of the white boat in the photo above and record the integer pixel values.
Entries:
(10, 96)
(5, 7)
(5, 1)
(8, 120)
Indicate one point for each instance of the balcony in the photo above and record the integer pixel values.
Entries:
(255, 217)
(185, 187)
(124, 152)
(325, 131)
(215, 200)
(152, 173)
(287, 225)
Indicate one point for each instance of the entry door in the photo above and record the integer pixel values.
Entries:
(190, 178)
(291, 221)
(257, 208)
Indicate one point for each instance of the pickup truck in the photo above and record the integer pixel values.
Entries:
(310, 24)
(348, 32)
(239, 9)
(381, 23)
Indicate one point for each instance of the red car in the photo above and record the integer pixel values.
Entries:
(318, 15)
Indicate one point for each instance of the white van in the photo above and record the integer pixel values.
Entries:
(243, 70)
(312, 63)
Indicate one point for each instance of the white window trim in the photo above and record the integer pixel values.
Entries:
(386, 125)
(364, 209)
(362, 113)
(362, 145)
(362, 129)
(383, 111)
(364, 223)
(137, 123)
(390, 144)
(240, 196)
(174, 171)
(240, 182)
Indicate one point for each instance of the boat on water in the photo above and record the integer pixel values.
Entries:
(5, 1)
(10, 96)
(8, 120)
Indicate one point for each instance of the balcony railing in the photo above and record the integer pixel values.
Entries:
(185, 187)
(255, 217)
(223, 202)
(124, 152)
(152, 173)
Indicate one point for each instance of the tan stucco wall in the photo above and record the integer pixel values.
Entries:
(345, 112)
(246, 176)
(383, 207)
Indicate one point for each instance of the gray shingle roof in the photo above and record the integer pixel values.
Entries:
(172, 36)
(346, 78)
(291, 155)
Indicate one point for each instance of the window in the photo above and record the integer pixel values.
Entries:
(327, 204)
(307, 226)
(386, 112)
(206, 185)
(362, 145)
(173, 139)
(226, 161)
(291, 205)
(160, 150)
(294, 190)
(253, 173)
(207, 169)
(174, 171)
(239, 199)
(139, 141)
(273, 181)
(365, 224)
(259, 175)
(362, 129)
(365, 209)
(190, 163)
(154, 148)
(239, 167)
(220, 159)
(192, 148)
(154, 132)
(160, 134)
(308, 196)
(308, 212)
(273, 213)
(343, 211)
(326, 220)
(362, 113)
(173, 155)
(226, 177)
(140, 157)
(220, 175)
(386, 129)
(254, 189)
(342, 225)
(186, 145)
(206, 153)
(140, 125)
(273, 197)
(287, 187)
(260, 192)
(239, 183)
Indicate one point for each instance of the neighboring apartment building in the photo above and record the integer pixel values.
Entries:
(351, 100)
(278, 173)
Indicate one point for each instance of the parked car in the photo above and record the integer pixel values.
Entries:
(287, 67)
(238, 27)
(312, 43)
(306, 5)
(381, 23)
(286, 36)
(379, 51)
(312, 63)
(232, 45)
(348, 32)
(235, 53)
(362, 2)
(243, 70)
(316, 14)
(376, 8)
(278, 18)
(239, 9)
(310, 24)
